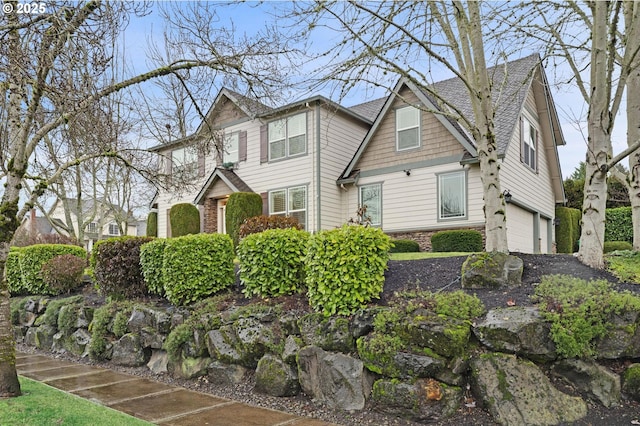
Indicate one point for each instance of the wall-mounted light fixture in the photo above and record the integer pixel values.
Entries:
(556, 221)
(407, 172)
(507, 196)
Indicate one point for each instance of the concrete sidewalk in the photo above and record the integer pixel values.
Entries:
(149, 400)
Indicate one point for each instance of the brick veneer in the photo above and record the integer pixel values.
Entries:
(423, 238)
(210, 216)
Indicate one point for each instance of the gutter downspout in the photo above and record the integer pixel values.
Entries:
(318, 183)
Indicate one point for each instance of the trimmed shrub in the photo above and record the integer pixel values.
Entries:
(197, 266)
(345, 268)
(152, 224)
(63, 273)
(610, 246)
(568, 231)
(261, 223)
(31, 259)
(576, 225)
(618, 225)
(151, 260)
(116, 267)
(241, 206)
(184, 219)
(13, 272)
(404, 246)
(457, 240)
(272, 262)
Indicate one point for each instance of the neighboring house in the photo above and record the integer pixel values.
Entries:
(100, 221)
(418, 172)
(290, 155)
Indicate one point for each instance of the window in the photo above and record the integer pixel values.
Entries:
(114, 229)
(288, 137)
(92, 228)
(452, 195)
(290, 202)
(407, 128)
(371, 198)
(529, 144)
(184, 162)
(231, 148)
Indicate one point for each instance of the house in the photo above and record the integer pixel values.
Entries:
(99, 220)
(418, 172)
(290, 155)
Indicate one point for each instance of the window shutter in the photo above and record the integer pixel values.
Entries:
(536, 149)
(168, 160)
(264, 144)
(200, 165)
(242, 146)
(522, 144)
(265, 203)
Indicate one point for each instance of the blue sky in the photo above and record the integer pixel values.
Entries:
(251, 16)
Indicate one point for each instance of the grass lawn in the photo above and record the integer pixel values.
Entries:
(43, 405)
(625, 265)
(425, 255)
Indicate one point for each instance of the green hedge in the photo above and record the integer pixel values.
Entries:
(610, 246)
(345, 268)
(618, 225)
(197, 266)
(568, 230)
(184, 219)
(241, 206)
(457, 240)
(24, 266)
(151, 260)
(261, 223)
(272, 262)
(404, 246)
(152, 224)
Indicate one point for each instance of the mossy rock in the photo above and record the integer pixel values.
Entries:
(631, 382)
(492, 270)
(275, 377)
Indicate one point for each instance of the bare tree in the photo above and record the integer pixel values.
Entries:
(39, 56)
(410, 39)
(600, 39)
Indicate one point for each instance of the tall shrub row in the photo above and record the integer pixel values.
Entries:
(619, 225)
(24, 267)
(568, 229)
(151, 261)
(272, 262)
(116, 266)
(241, 206)
(184, 219)
(345, 268)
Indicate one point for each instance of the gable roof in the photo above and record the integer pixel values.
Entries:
(229, 177)
(511, 82)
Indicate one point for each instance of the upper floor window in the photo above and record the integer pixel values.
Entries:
(289, 202)
(92, 228)
(184, 162)
(231, 148)
(288, 137)
(371, 199)
(407, 128)
(114, 229)
(452, 195)
(529, 145)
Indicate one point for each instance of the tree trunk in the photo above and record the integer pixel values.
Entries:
(9, 385)
(599, 152)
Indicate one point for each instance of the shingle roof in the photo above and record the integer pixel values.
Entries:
(369, 109)
(510, 83)
(229, 177)
(252, 106)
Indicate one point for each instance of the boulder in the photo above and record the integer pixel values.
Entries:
(290, 352)
(492, 270)
(44, 336)
(446, 336)
(622, 339)
(146, 316)
(631, 382)
(129, 352)
(337, 380)
(254, 338)
(225, 374)
(158, 361)
(516, 392)
(519, 330)
(30, 336)
(591, 378)
(78, 341)
(276, 378)
(219, 347)
(425, 400)
(331, 334)
(403, 364)
(188, 368)
(150, 338)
